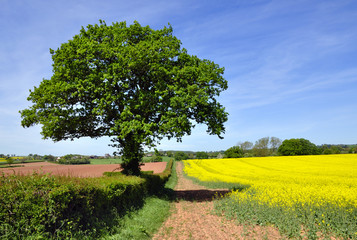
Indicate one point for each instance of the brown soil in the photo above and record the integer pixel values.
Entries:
(192, 217)
(77, 170)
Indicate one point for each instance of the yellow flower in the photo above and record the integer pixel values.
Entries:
(285, 180)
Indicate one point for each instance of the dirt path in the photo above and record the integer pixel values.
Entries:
(192, 217)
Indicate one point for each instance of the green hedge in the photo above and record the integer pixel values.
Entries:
(58, 206)
(74, 161)
(155, 182)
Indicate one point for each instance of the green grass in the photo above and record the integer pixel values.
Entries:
(329, 220)
(16, 163)
(171, 183)
(10, 166)
(144, 223)
(105, 161)
(164, 159)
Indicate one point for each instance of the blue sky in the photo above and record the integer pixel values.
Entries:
(291, 66)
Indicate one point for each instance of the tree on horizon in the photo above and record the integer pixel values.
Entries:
(131, 83)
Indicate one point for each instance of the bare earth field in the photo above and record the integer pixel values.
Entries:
(192, 217)
(77, 170)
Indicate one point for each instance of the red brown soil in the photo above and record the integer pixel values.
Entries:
(77, 170)
(193, 218)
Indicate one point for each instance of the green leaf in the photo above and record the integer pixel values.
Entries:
(132, 83)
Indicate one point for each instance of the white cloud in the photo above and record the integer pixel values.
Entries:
(291, 65)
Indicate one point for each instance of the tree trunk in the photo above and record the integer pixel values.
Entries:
(132, 154)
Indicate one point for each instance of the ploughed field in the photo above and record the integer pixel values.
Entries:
(77, 170)
(301, 195)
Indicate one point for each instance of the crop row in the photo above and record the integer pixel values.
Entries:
(318, 192)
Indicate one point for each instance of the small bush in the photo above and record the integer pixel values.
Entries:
(156, 158)
(73, 160)
(10, 161)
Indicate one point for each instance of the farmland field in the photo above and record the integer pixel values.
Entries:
(317, 192)
(87, 170)
(105, 161)
(119, 161)
(13, 158)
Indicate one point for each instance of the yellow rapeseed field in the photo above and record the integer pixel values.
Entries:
(286, 180)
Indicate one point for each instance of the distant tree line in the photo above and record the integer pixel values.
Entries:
(266, 146)
(273, 146)
(183, 155)
(66, 159)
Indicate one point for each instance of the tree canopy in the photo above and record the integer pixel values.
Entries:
(233, 152)
(298, 146)
(201, 155)
(131, 83)
(261, 147)
(180, 156)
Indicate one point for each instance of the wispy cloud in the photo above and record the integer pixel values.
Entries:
(290, 65)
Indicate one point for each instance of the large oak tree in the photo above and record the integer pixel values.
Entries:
(131, 83)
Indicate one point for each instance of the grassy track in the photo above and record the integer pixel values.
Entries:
(143, 223)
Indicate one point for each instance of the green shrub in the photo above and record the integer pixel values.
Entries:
(113, 174)
(10, 161)
(45, 206)
(72, 159)
(52, 206)
(155, 182)
(157, 156)
(49, 158)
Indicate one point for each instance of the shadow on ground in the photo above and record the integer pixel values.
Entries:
(203, 195)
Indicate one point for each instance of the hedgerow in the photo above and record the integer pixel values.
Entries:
(155, 182)
(73, 159)
(70, 207)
